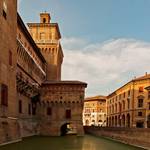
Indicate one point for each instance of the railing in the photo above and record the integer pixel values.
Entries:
(47, 41)
(35, 62)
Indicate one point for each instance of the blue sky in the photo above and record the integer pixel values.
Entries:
(95, 20)
(100, 38)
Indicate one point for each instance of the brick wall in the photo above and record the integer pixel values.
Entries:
(133, 136)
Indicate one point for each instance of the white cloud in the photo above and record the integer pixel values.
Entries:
(105, 66)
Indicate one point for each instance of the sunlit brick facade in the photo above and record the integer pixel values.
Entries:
(8, 58)
(33, 99)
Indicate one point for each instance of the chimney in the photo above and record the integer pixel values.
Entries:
(145, 73)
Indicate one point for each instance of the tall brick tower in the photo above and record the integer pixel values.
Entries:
(63, 99)
(47, 37)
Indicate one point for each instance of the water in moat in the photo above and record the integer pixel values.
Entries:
(87, 142)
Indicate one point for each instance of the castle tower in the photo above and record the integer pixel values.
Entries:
(47, 37)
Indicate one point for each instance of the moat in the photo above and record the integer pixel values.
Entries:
(87, 142)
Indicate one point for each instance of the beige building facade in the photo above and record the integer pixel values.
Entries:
(129, 106)
(94, 112)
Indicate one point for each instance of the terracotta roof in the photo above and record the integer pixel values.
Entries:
(95, 98)
(146, 76)
(65, 82)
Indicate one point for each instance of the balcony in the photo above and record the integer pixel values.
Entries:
(25, 55)
(47, 41)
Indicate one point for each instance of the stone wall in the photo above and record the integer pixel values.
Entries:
(133, 136)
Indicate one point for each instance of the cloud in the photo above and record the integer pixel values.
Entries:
(105, 66)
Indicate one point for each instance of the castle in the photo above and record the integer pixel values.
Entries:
(33, 98)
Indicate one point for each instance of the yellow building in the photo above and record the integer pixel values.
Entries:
(129, 106)
(94, 112)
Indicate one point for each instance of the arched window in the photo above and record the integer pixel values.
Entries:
(20, 106)
(140, 102)
(68, 113)
(44, 20)
(49, 111)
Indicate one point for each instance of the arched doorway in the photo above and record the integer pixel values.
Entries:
(119, 121)
(115, 121)
(123, 120)
(64, 129)
(128, 120)
(87, 122)
(68, 129)
(148, 121)
(107, 123)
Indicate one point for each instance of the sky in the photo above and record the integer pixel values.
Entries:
(106, 43)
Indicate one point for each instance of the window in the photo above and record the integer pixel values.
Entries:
(120, 107)
(140, 102)
(148, 94)
(128, 101)
(19, 36)
(33, 109)
(44, 20)
(129, 93)
(20, 106)
(139, 113)
(4, 14)
(123, 104)
(29, 109)
(4, 9)
(140, 124)
(119, 96)
(141, 89)
(10, 58)
(42, 36)
(116, 98)
(124, 94)
(149, 105)
(115, 107)
(68, 114)
(49, 111)
(4, 95)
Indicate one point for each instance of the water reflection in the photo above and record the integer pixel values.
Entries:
(68, 143)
